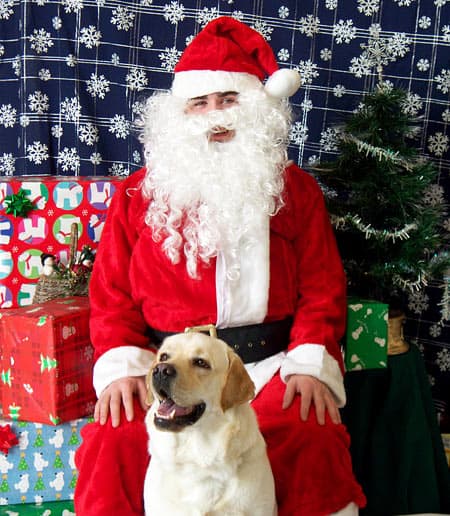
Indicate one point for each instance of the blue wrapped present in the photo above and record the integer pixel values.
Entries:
(41, 467)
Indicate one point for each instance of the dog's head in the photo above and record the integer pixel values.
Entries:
(193, 373)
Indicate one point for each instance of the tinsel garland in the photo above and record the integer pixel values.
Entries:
(369, 231)
(444, 303)
(376, 152)
(418, 284)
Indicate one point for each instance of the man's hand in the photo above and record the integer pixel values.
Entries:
(120, 392)
(314, 391)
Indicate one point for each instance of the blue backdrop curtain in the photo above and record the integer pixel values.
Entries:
(74, 73)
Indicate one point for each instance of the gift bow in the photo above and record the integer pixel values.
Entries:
(8, 438)
(18, 204)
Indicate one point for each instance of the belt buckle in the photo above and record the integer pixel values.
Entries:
(211, 328)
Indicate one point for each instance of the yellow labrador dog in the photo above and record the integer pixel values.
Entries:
(208, 456)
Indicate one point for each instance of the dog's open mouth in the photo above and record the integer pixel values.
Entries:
(173, 417)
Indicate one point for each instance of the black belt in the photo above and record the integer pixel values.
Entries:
(252, 343)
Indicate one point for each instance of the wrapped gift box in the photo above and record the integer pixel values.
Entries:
(58, 202)
(41, 467)
(366, 341)
(47, 361)
(446, 441)
(64, 508)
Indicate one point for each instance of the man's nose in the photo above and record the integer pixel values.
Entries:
(214, 105)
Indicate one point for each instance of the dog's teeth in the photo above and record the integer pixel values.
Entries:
(172, 414)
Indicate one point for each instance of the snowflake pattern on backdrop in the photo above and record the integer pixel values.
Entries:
(85, 68)
(336, 47)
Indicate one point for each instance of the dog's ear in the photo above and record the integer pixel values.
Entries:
(238, 387)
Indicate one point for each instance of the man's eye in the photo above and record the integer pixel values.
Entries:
(229, 100)
(200, 362)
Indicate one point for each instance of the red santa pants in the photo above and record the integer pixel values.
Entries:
(311, 463)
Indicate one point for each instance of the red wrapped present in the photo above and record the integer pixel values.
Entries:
(47, 360)
(36, 214)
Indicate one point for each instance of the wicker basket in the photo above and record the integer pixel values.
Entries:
(63, 282)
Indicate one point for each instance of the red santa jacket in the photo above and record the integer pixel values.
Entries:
(134, 285)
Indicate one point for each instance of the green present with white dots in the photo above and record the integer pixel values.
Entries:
(366, 339)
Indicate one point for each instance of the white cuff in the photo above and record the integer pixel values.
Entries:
(119, 363)
(314, 360)
(262, 372)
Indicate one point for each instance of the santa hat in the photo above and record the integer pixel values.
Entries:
(227, 55)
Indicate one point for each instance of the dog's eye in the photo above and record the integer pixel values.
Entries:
(163, 357)
(199, 362)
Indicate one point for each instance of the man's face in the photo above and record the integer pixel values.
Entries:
(212, 102)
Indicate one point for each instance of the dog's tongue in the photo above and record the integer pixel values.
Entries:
(168, 408)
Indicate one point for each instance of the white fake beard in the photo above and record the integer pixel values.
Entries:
(207, 197)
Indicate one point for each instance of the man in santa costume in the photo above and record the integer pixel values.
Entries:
(220, 228)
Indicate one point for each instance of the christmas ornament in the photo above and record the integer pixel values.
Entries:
(18, 204)
(65, 280)
(8, 439)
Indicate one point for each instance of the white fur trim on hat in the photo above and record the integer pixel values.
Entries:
(196, 83)
(283, 83)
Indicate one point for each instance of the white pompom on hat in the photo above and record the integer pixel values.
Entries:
(227, 55)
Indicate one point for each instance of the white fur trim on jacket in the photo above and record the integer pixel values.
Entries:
(261, 372)
(244, 300)
(314, 360)
(121, 362)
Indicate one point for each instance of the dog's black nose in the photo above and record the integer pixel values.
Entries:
(164, 370)
(162, 376)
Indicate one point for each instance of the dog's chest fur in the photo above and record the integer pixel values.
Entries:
(205, 470)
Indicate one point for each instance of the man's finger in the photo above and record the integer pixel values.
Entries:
(289, 394)
(334, 412)
(127, 398)
(319, 403)
(97, 412)
(142, 395)
(305, 405)
(114, 405)
(103, 409)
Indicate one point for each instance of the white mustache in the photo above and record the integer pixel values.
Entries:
(213, 122)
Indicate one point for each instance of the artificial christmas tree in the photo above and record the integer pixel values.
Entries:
(390, 233)
(379, 194)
